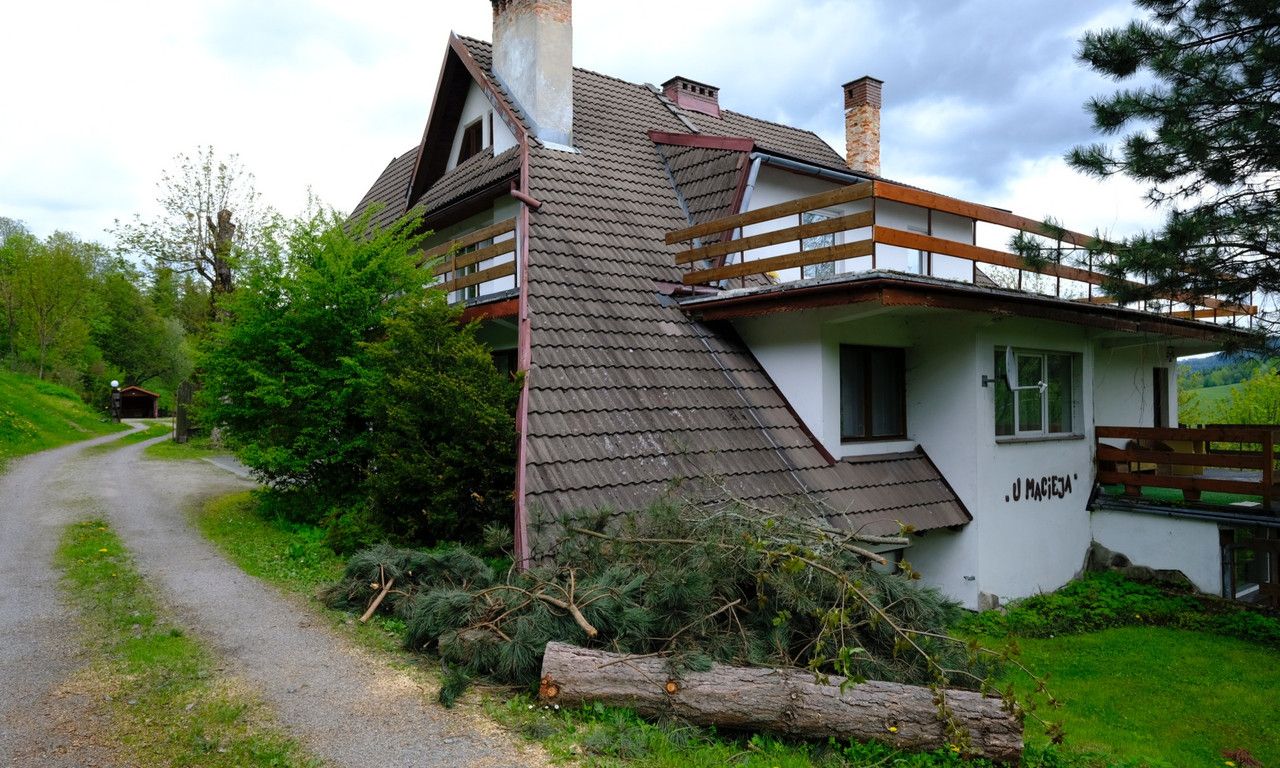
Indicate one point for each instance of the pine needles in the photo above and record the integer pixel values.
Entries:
(695, 584)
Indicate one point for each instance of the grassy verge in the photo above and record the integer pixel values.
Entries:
(166, 704)
(158, 429)
(291, 556)
(36, 415)
(195, 448)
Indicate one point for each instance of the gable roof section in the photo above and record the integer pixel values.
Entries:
(706, 179)
(475, 174)
(390, 192)
(626, 394)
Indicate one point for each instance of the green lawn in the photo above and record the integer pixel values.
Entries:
(155, 429)
(1170, 695)
(195, 448)
(167, 702)
(1211, 397)
(36, 415)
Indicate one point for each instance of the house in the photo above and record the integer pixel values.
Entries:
(702, 297)
(138, 403)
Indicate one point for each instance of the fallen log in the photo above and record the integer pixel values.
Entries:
(786, 701)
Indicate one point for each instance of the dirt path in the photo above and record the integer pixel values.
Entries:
(341, 704)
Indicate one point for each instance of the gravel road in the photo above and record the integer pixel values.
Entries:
(343, 705)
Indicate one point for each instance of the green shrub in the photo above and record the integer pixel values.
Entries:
(1104, 600)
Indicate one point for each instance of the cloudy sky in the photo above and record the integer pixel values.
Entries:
(981, 97)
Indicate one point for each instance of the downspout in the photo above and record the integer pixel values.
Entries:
(523, 355)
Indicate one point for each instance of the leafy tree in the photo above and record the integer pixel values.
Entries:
(443, 426)
(52, 286)
(1201, 126)
(210, 217)
(16, 245)
(285, 373)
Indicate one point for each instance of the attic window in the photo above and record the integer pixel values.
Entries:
(472, 140)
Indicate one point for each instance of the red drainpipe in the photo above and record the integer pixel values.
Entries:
(522, 356)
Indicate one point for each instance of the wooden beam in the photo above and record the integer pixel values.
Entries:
(918, 197)
(794, 234)
(915, 240)
(1147, 456)
(1250, 434)
(799, 259)
(490, 311)
(847, 194)
(483, 276)
(1184, 483)
(703, 140)
(471, 238)
(475, 257)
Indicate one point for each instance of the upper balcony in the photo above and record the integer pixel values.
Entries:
(831, 239)
(477, 265)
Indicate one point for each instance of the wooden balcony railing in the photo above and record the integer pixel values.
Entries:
(460, 269)
(1226, 459)
(757, 244)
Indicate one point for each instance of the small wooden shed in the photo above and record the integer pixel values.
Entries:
(138, 403)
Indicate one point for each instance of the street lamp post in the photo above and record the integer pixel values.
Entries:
(115, 400)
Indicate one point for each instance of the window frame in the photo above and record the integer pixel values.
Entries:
(825, 268)
(868, 404)
(473, 139)
(1074, 404)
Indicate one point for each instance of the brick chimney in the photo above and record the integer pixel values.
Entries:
(862, 124)
(692, 95)
(533, 59)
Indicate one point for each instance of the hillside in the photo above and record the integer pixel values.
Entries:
(35, 415)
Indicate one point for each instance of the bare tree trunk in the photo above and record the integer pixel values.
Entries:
(223, 233)
(786, 701)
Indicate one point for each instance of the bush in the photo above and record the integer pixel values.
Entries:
(1104, 600)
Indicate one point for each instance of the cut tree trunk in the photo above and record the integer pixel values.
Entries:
(786, 701)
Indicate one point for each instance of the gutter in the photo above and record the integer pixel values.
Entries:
(808, 169)
(1186, 513)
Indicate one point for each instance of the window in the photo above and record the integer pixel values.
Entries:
(813, 243)
(468, 291)
(872, 393)
(1037, 411)
(472, 140)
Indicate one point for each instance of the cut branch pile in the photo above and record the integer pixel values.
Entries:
(687, 586)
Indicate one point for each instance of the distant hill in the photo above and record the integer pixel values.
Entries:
(35, 415)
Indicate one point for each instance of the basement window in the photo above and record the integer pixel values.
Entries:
(472, 140)
(1036, 411)
(872, 393)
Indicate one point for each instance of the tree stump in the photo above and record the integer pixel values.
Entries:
(785, 701)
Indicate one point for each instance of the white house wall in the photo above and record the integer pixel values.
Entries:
(1190, 546)
(496, 134)
(1028, 496)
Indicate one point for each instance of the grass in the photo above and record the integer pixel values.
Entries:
(1174, 495)
(36, 415)
(1171, 696)
(1124, 688)
(166, 703)
(195, 448)
(1213, 396)
(155, 429)
(291, 556)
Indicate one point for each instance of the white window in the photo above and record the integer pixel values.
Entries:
(826, 268)
(1046, 400)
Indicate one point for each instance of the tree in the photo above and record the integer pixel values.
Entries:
(1202, 128)
(16, 245)
(52, 286)
(443, 424)
(285, 373)
(210, 216)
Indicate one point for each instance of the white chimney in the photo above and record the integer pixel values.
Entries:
(533, 59)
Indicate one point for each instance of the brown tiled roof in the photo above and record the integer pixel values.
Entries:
(773, 138)
(705, 179)
(471, 175)
(626, 394)
(388, 192)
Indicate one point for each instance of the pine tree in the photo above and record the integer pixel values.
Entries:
(1201, 126)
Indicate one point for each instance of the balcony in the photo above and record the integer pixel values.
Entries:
(882, 227)
(476, 266)
(1234, 462)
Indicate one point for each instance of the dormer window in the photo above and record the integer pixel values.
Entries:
(472, 140)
